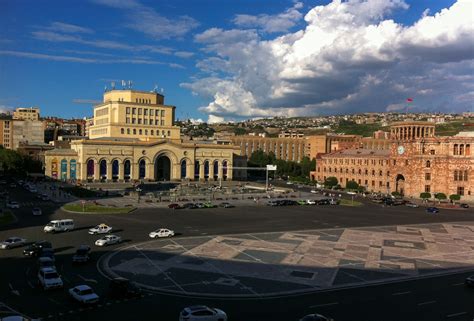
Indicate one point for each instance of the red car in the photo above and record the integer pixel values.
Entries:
(175, 206)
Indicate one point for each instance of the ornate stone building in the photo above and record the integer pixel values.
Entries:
(133, 137)
(417, 161)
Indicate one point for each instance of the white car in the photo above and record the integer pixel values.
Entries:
(162, 232)
(100, 229)
(108, 240)
(311, 202)
(49, 278)
(13, 204)
(12, 242)
(84, 294)
(314, 191)
(351, 193)
(36, 211)
(202, 313)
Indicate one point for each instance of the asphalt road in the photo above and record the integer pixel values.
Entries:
(436, 298)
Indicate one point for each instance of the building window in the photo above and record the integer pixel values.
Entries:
(380, 173)
(465, 175)
(146, 132)
(156, 122)
(145, 112)
(468, 150)
(134, 120)
(406, 162)
(162, 122)
(145, 121)
(432, 152)
(461, 149)
(127, 120)
(122, 131)
(139, 132)
(461, 190)
(427, 189)
(428, 164)
(134, 131)
(134, 111)
(455, 175)
(139, 120)
(162, 113)
(128, 131)
(427, 176)
(128, 110)
(139, 111)
(394, 162)
(169, 133)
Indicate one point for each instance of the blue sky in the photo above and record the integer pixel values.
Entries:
(231, 60)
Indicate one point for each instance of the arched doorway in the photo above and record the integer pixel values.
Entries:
(115, 170)
(400, 184)
(126, 170)
(90, 169)
(183, 169)
(162, 168)
(63, 169)
(103, 169)
(72, 169)
(141, 169)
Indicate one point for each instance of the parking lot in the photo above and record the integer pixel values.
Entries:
(21, 292)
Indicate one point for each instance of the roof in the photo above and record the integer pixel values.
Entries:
(413, 122)
(465, 134)
(61, 151)
(360, 152)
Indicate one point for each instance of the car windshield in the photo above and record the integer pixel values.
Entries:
(50, 224)
(9, 240)
(86, 292)
(52, 275)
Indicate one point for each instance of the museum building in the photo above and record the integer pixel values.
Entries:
(133, 137)
(416, 161)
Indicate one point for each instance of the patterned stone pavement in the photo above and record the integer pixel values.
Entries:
(281, 263)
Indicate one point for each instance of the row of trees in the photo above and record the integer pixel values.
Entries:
(16, 164)
(296, 171)
(440, 196)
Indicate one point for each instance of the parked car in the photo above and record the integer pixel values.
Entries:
(324, 202)
(315, 317)
(13, 204)
(302, 202)
(311, 202)
(47, 252)
(199, 205)
(84, 294)
(464, 205)
(209, 205)
(226, 205)
(45, 262)
(162, 232)
(35, 248)
(351, 193)
(202, 313)
(175, 206)
(272, 203)
(469, 281)
(123, 288)
(189, 205)
(100, 229)
(49, 278)
(12, 242)
(334, 201)
(108, 240)
(82, 254)
(410, 204)
(36, 211)
(432, 210)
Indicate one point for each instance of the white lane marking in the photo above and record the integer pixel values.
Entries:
(87, 280)
(401, 293)
(457, 284)
(426, 302)
(456, 314)
(323, 305)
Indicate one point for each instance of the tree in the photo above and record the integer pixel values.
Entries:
(397, 194)
(352, 185)
(330, 182)
(440, 196)
(425, 195)
(454, 197)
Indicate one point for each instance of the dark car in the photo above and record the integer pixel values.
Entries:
(82, 254)
(47, 252)
(226, 205)
(175, 206)
(432, 210)
(464, 205)
(324, 202)
(35, 248)
(123, 288)
(388, 201)
(189, 205)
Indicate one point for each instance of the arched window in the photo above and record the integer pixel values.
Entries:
(64, 169)
(461, 149)
(468, 149)
(151, 132)
(428, 163)
(139, 132)
(455, 150)
(455, 175)
(72, 169)
(216, 170)
(206, 170)
(183, 168)
(126, 170)
(122, 131)
(163, 132)
(134, 131)
(169, 133)
(90, 168)
(196, 170)
(141, 169)
(115, 170)
(103, 169)
(224, 170)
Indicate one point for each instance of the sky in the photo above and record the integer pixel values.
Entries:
(219, 60)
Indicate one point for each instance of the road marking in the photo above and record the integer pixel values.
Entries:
(427, 302)
(323, 305)
(87, 280)
(457, 284)
(455, 314)
(401, 293)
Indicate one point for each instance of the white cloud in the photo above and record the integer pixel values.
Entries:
(212, 119)
(68, 28)
(184, 54)
(6, 109)
(271, 23)
(348, 58)
(148, 21)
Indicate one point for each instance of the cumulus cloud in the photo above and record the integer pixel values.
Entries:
(271, 23)
(212, 119)
(349, 57)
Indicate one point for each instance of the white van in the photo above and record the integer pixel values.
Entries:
(59, 226)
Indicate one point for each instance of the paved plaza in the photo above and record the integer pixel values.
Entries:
(281, 263)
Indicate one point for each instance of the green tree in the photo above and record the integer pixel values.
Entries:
(397, 194)
(440, 196)
(352, 185)
(454, 197)
(330, 182)
(239, 131)
(425, 195)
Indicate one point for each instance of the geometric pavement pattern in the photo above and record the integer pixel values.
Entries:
(278, 263)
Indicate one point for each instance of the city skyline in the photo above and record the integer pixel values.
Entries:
(241, 61)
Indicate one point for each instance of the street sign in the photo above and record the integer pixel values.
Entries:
(83, 202)
(271, 167)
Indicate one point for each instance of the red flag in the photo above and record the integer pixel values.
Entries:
(409, 100)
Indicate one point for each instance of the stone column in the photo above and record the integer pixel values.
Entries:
(229, 171)
(134, 171)
(121, 173)
(109, 171)
(211, 171)
(96, 171)
(201, 171)
(150, 171)
(220, 171)
(189, 170)
(82, 171)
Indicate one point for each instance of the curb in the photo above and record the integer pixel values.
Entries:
(96, 213)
